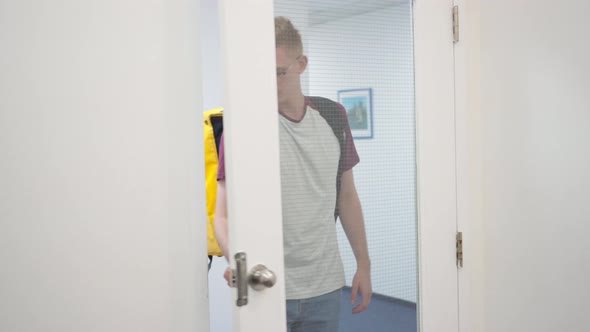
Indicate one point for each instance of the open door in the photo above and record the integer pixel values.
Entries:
(403, 56)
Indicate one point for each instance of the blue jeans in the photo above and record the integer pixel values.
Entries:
(316, 314)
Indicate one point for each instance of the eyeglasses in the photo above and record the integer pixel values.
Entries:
(283, 71)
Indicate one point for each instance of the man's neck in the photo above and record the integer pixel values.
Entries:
(293, 107)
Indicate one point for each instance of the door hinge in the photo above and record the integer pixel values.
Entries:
(455, 24)
(459, 246)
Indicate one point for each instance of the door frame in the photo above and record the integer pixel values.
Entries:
(469, 166)
(435, 144)
(247, 67)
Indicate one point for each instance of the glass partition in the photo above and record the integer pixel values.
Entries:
(360, 56)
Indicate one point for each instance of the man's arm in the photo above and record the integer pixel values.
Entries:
(351, 217)
(220, 221)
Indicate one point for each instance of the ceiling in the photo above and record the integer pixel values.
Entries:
(321, 11)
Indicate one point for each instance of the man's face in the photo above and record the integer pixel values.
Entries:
(289, 68)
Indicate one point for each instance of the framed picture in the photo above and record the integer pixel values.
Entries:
(359, 110)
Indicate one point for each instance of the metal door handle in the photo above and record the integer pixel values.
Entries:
(261, 278)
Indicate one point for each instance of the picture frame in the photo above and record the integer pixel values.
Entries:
(359, 111)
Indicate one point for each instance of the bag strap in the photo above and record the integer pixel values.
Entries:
(217, 125)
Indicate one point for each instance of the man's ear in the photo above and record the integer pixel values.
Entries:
(302, 64)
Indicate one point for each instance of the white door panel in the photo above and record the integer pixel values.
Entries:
(252, 156)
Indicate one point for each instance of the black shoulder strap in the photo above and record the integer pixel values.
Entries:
(333, 114)
(217, 124)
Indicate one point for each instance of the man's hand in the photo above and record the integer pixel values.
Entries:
(361, 283)
(227, 275)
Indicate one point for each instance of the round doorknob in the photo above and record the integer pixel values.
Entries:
(260, 278)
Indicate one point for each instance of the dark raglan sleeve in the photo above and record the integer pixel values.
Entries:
(351, 157)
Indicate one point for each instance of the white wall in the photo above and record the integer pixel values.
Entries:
(99, 167)
(211, 55)
(535, 120)
(375, 50)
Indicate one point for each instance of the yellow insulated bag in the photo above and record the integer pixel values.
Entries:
(213, 127)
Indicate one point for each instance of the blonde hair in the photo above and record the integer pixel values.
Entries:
(287, 36)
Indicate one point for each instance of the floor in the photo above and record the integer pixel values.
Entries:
(384, 314)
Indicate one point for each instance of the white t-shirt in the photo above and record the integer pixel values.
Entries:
(310, 153)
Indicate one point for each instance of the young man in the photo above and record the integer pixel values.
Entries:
(314, 165)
